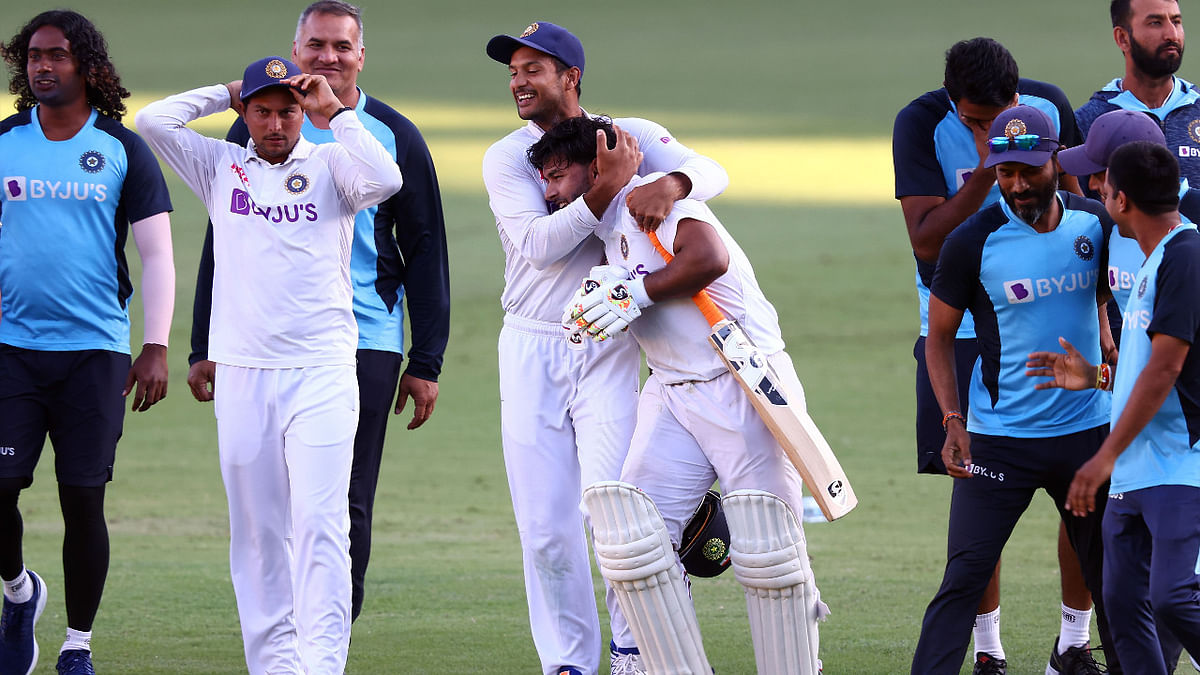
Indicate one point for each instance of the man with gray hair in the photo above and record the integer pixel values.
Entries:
(399, 253)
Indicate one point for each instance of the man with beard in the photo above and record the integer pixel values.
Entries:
(1150, 35)
(1029, 269)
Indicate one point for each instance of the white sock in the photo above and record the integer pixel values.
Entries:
(20, 589)
(77, 639)
(987, 634)
(1076, 628)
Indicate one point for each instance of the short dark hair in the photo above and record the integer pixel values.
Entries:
(1120, 11)
(1148, 174)
(982, 71)
(335, 8)
(104, 90)
(572, 140)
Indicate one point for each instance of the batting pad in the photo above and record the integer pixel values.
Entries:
(637, 559)
(770, 559)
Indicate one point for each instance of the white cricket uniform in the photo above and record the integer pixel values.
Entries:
(283, 336)
(559, 434)
(695, 424)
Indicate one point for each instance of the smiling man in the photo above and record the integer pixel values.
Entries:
(76, 183)
(555, 439)
(283, 339)
(1150, 35)
(398, 259)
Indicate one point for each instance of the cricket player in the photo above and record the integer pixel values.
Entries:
(557, 436)
(939, 145)
(283, 337)
(1152, 520)
(695, 424)
(1028, 268)
(1149, 34)
(76, 183)
(399, 253)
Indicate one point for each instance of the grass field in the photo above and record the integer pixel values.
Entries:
(796, 100)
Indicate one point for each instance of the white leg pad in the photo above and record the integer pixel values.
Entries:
(770, 559)
(640, 565)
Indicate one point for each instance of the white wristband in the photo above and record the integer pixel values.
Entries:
(637, 289)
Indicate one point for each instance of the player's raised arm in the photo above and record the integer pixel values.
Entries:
(164, 123)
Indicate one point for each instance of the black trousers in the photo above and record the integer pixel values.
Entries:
(984, 509)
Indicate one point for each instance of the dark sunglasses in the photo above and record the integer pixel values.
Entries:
(1022, 142)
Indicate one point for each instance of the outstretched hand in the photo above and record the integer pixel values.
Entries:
(1068, 370)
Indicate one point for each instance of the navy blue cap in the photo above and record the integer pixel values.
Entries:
(265, 73)
(1018, 121)
(544, 37)
(1109, 132)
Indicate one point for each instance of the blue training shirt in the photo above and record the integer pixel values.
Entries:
(1165, 300)
(66, 208)
(933, 154)
(1179, 117)
(1025, 289)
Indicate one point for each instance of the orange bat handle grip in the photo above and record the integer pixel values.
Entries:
(708, 308)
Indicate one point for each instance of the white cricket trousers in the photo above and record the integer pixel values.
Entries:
(566, 417)
(690, 434)
(286, 438)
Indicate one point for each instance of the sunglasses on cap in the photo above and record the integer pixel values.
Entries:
(1021, 142)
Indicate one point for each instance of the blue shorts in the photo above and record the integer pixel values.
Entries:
(930, 436)
(75, 397)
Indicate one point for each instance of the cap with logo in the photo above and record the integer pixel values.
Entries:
(1109, 132)
(266, 72)
(544, 37)
(1021, 134)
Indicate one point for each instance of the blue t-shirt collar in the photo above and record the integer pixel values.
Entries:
(1182, 94)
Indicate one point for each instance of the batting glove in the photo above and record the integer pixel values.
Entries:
(585, 298)
(615, 310)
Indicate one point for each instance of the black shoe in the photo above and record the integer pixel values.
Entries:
(986, 664)
(1074, 661)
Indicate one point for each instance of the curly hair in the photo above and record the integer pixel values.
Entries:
(572, 141)
(104, 90)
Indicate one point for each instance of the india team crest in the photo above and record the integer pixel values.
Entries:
(1015, 127)
(296, 183)
(714, 549)
(624, 247)
(91, 161)
(276, 69)
(1084, 249)
(1194, 130)
(530, 29)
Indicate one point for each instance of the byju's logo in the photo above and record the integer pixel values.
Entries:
(240, 203)
(1019, 291)
(14, 187)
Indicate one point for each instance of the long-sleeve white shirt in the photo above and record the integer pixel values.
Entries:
(282, 233)
(547, 254)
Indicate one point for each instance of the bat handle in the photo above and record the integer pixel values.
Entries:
(708, 308)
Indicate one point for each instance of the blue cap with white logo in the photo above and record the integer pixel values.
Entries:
(267, 72)
(544, 37)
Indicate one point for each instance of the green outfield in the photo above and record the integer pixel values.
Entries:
(797, 101)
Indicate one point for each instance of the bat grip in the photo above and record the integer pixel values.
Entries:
(708, 308)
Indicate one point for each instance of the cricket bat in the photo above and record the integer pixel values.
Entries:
(795, 431)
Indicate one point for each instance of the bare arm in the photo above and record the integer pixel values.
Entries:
(930, 219)
(700, 257)
(939, 361)
(1167, 354)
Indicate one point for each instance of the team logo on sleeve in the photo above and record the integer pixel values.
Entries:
(1084, 248)
(296, 183)
(91, 161)
(276, 69)
(624, 247)
(530, 29)
(1019, 291)
(1142, 288)
(14, 188)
